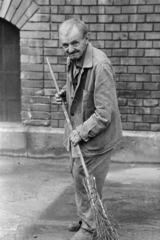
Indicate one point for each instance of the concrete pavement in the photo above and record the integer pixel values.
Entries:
(37, 199)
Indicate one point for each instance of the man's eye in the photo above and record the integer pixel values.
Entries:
(75, 44)
(65, 45)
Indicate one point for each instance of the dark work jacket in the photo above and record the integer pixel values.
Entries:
(93, 107)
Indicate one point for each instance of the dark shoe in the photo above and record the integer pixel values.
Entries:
(83, 234)
(75, 226)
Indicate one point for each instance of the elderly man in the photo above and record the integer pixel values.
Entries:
(91, 99)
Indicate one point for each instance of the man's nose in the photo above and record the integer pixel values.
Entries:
(70, 48)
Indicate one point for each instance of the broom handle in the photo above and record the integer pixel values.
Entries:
(68, 119)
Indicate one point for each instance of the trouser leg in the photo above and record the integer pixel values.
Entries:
(98, 167)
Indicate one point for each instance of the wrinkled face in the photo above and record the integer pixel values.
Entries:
(73, 43)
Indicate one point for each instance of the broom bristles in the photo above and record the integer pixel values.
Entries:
(104, 229)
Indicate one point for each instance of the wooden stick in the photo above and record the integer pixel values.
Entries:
(68, 119)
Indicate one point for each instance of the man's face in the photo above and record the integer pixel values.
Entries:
(73, 43)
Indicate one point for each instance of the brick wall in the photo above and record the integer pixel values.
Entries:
(128, 31)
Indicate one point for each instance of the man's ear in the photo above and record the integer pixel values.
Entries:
(87, 36)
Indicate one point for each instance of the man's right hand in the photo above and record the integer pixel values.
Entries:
(60, 95)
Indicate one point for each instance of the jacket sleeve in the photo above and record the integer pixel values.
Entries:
(105, 100)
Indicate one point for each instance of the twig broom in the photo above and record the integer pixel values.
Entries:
(104, 229)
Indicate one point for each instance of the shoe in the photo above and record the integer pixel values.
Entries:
(75, 226)
(83, 234)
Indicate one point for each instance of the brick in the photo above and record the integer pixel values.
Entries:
(32, 67)
(104, 35)
(97, 10)
(112, 27)
(156, 61)
(119, 53)
(144, 27)
(134, 102)
(37, 107)
(129, 9)
(155, 94)
(31, 75)
(150, 118)
(121, 2)
(45, 9)
(53, 52)
(57, 18)
(120, 36)
(127, 77)
(51, 43)
(57, 2)
(145, 9)
(61, 123)
(122, 101)
(120, 69)
(35, 43)
(31, 51)
(134, 86)
(49, 92)
(31, 10)
(54, 108)
(136, 52)
(125, 94)
(89, 18)
(121, 85)
(150, 102)
(112, 44)
(142, 94)
(105, 18)
(142, 126)
(21, 10)
(152, 1)
(155, 111)
(34, 34)
(105, 2)
(5, 6)
(155, 78)
(155, 127)
(143, 78)
(38, 99)
(24, 59)
(98, 44)
(128, 126)
(144, 61)
(153, 35)
(10, 13)
(144, 44)
(137, 2)
(128, 27)
(42, 2)
(54, 123)
(81, 10)
(153, 18)
(135, 69)
(120, 18)
(32, 83)
(142, 110)
(58, 115)
(54, 27)
(36, 59)
(151, 69)
(137, 18)
(134, 118)
(97, 27)
(40, 18)
(73, 2)
(157, 9)
(128, 44)
(128, 61)
(65, 9)
(156, 27)
(89, 2)
(113, 10)
(126, 110)
(22, 21)
(151, 86)
(115, 61)
(36, 26)
(16, 3)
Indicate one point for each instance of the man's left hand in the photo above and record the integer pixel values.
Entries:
(75, 137)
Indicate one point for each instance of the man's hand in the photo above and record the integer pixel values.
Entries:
(75, 137)
(58, 96)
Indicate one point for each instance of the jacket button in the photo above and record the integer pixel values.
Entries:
(72, 114)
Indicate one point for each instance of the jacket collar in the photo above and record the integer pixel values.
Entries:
(88, 62)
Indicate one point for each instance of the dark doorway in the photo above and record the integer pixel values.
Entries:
(10, 93)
